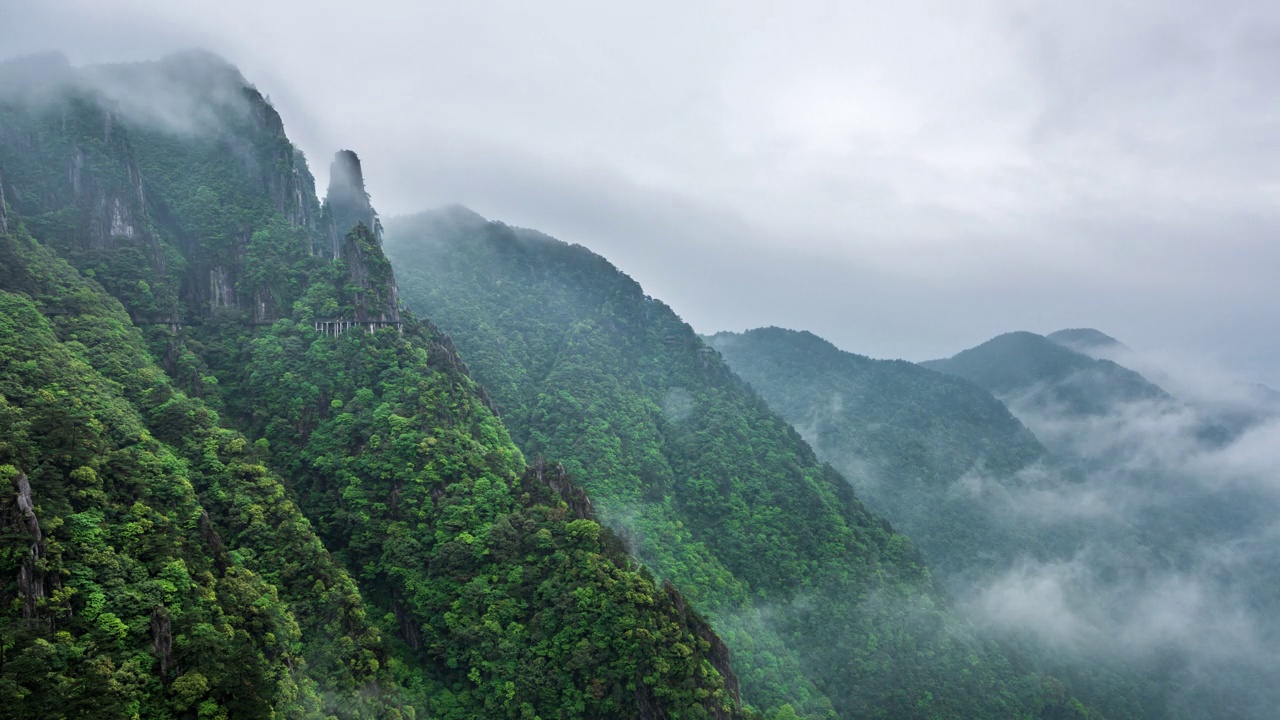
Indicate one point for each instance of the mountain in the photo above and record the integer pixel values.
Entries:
(1120, 560)
(1030, 369)
(908, 439)
(1230, 407)
(825, 609)
(1071, 379)
(245, 483)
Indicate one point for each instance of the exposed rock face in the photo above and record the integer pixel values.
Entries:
(346, 203)
(31, 580)
(112, 215)
(293, 190)
(205, 108)
(555, 478)
(162, 638)
(94, 175)
(286, 177)
(222, 288)
(69, 161)
(355, 236)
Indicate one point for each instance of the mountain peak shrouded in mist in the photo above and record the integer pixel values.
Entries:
(1029, 366)
(189, 93)
(1086, 340)
(455, 215)
(33, 75)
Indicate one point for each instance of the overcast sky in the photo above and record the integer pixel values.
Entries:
(904, 178)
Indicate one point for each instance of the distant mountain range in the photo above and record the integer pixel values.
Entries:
(904, 435)
(1137, 493)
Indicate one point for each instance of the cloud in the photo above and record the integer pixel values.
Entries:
(902, 178)
(189, 93)
(1159, 528)
(1136, 618)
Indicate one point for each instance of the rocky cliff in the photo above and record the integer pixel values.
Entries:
(355, 242)
(346, 203)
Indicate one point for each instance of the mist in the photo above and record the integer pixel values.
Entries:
(192, 93)
(1165, 520)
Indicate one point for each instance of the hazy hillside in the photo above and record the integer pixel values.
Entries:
(1122, 562)
(818, 599)
(1025, 368)
(904, 436)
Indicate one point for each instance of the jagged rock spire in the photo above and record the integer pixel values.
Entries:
(355, 236)
(347, 203)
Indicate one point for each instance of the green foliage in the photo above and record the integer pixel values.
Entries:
(172, 549)
(903, 435)
(824, 607)
(513, 605)
(370, 546)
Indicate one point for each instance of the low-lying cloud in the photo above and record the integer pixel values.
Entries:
(1165, 525)
(190, 93)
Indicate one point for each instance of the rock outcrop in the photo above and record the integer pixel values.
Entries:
(355, 238)
(346, 204)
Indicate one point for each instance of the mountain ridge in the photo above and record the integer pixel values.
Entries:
(435, 577)
(1044, 372)
(584, 364)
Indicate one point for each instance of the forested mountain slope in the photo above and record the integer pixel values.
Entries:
(243, 483)
(903, 435)
(153, 565)
(1035, 371)
(1066, 555)
(825, 608)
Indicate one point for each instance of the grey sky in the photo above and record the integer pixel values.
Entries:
(905, 179)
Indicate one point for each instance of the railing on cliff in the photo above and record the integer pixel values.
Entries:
(338, 326)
